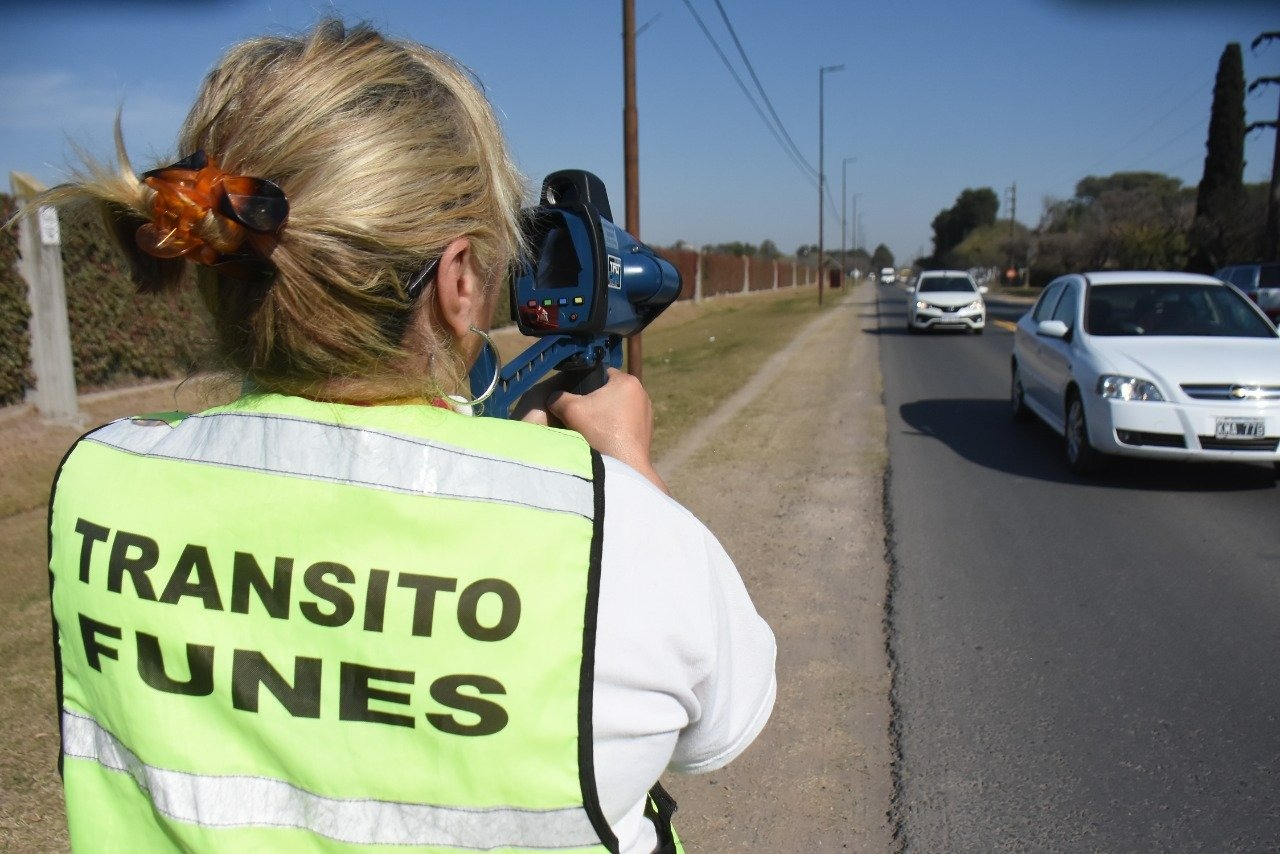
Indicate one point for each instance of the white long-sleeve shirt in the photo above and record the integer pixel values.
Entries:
(684, 669)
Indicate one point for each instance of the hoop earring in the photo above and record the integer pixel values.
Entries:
(497, 371)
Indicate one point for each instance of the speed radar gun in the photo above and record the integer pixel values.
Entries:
(587, 285)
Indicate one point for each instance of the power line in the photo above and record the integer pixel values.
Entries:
(1146, 130)
(1175, 168)
(808, 171)
(751, 70)
(1168, 141)
(831, 203)
(647, 24)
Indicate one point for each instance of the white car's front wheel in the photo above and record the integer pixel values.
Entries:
(1082, 457)
(1018, 397)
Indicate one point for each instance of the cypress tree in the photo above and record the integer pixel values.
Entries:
(1218, 233)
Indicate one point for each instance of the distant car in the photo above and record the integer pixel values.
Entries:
(946, 299)
(1162, 365)
(1259, 282)
(888, 276)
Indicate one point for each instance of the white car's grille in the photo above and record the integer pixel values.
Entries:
(1238, 391)
(1212, 443)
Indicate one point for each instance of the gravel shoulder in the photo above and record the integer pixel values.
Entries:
(789, 473)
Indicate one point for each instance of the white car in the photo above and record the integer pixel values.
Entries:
(946, 299)
(1163, 365)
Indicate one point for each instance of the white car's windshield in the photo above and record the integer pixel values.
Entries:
(946, 284)
(1172, 310)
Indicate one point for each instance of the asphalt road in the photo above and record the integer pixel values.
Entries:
(1081, 665)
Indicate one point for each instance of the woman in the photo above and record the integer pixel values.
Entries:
(337, 612)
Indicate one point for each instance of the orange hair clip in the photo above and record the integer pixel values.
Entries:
(249, 208)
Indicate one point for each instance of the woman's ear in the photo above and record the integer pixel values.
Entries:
(459, 290)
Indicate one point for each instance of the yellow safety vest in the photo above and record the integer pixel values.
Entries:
(285, 624)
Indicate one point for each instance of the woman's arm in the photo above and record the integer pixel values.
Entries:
(615, 419)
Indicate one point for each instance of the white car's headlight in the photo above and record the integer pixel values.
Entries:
(976, 305)
(921, 305)
(1116, 387)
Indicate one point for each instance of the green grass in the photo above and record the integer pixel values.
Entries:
(703, 353)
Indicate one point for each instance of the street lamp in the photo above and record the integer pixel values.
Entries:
(859, 234)
(857, 241)
(844, 174)
(821, 177)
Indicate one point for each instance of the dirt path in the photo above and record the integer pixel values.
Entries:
(789, 475)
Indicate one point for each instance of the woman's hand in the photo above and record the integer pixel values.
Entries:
(615, 419)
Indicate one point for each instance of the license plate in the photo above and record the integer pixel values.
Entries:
(1239, 428)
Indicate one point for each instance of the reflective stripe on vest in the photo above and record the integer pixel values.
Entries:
(247, 801)
(371, 459)
(282, 618)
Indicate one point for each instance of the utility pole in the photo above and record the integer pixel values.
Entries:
(1013, 216)
(631, 155)
(844, 198)
(1270, 237)
(821, 177)
(857, 225)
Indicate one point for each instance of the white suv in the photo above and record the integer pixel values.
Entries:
(946, 298)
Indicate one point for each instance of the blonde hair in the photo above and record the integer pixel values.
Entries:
(387, 151)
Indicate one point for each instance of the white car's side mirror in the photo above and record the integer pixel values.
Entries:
(982, 289)
(1052, 328)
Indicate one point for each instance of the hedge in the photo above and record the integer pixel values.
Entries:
(119, 338)
(15, 314)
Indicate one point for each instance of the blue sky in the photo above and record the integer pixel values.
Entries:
(936, 96)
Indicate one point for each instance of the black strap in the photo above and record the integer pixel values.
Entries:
(660, 808)
(57, 647)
